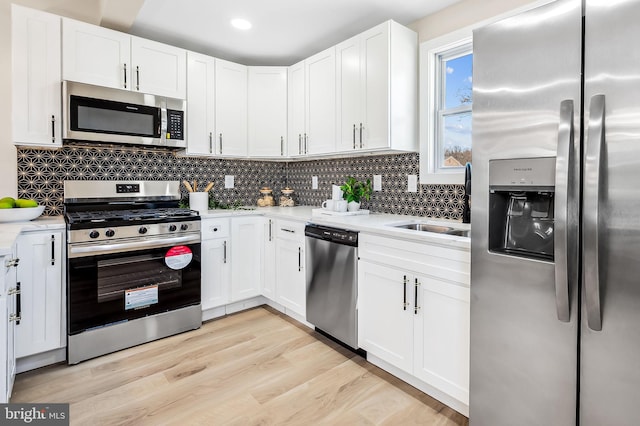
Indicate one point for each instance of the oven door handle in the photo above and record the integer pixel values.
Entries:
(116, 247)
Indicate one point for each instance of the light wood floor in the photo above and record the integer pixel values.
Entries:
(253, 368)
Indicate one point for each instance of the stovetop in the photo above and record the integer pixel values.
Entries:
(108, 216)
(96, 219)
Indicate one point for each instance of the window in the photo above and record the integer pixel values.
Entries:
(453, 108)
(446, 80)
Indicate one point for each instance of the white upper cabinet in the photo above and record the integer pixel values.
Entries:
(297, 124)
(95, 55)
(201, 98)
(159, 68)
(320, 92)
(267, 111)
(377, 90)
(36, 98)
(104, 57)
(231, 109)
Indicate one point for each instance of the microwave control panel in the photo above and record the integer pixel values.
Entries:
(175, 124)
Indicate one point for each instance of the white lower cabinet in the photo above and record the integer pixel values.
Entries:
(215, 264)
(290, 272)
(385, 324)
(442, 324)
(247, 236)
(413, 312)
(39, 274)
(8, 316)
(269, 261)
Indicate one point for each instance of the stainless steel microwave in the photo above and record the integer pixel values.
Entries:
(102, 114)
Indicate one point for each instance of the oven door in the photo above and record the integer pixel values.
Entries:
(112, 288)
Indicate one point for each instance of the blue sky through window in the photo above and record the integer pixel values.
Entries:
(458, 79)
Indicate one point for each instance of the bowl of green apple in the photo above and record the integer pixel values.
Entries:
(20, 210)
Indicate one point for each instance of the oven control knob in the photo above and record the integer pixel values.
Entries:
(184, 227)
(142, 230)
(172, 228)
(110, 233)
(94, 234)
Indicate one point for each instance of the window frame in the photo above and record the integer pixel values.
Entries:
(431, 118)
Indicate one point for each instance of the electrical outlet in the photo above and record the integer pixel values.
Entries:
(377, 182)
(412, 183)
(314, 182)
(228, 181)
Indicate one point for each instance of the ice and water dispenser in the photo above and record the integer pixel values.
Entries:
(521, 195)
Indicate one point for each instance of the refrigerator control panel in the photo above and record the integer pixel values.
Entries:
(538, 172)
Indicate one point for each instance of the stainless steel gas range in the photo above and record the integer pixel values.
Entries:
(133, 265)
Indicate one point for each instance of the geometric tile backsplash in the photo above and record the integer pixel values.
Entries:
(41, 173)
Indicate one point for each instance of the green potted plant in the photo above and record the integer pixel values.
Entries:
(354, 191)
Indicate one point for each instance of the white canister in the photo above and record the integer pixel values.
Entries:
(199, 201)
(336, 192)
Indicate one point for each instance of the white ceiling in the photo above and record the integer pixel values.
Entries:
(284, 31)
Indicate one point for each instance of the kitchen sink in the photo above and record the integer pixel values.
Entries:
(425, 227)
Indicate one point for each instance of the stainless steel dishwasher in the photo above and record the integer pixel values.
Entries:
(331, 278)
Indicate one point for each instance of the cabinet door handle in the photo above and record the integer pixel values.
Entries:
(53, 129)
(404, 304)
(224, 260)
(18, 304)
(220, 143)
(125, 76)
(354, 136)
(210, 142)
(288, 230)
(415, 305)
(361, 135)
(281, 145)
(299, 144)
(299, 259)
(53, 250)
(137, 77)
(306, 143)
(270, 223)
(12, 262)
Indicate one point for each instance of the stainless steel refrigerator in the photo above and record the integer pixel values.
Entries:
(555, 275)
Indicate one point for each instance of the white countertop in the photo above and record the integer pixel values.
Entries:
(10, 230)
(374, 223)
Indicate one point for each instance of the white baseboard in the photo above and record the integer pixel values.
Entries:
(41, 360)
(449, 401)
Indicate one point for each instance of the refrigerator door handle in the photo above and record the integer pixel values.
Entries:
(565, 238)
(591, 213)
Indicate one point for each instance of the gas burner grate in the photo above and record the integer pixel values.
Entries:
(101, 216)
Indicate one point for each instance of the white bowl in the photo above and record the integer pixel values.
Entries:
(20, 214)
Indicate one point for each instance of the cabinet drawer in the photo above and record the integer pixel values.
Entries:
(289, 230)
(215, 228)
(447, 263)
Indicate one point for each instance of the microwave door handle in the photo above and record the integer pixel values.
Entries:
(591, 213)
(565, 235)
(163, 123)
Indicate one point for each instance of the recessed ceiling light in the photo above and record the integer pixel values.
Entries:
(241, 24)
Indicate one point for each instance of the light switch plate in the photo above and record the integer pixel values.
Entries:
(314, 182)
(377, 182)
(412, 184)
(228, 181)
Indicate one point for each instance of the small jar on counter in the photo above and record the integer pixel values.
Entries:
(286, 199)
(266, 197)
